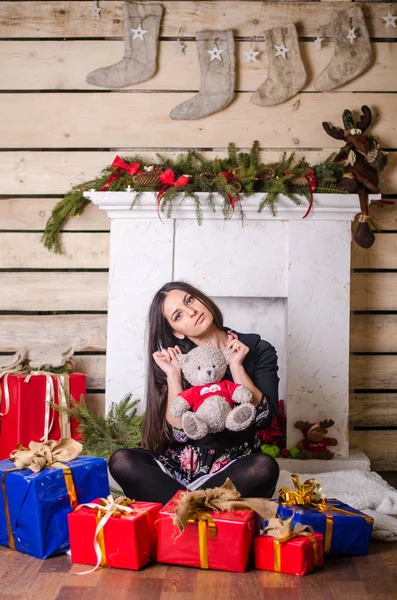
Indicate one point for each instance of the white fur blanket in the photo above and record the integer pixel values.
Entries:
(365, 491)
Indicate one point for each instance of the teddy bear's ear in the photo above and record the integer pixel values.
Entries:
(180, 360)
(227, 352)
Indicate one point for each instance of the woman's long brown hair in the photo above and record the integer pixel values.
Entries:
(156, 432)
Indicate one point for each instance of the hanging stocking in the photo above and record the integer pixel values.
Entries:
(352, 53)
(216, 57)
(141, 33)
(287, 74)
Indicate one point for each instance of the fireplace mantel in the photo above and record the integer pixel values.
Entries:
(283, 277)
(328, 207)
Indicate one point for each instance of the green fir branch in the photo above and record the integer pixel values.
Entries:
(103, 435)
(73, 204)
(245, 177)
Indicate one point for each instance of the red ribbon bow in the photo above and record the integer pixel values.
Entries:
(312, 183)
(168, 179)
(232, 199)
(119, 167)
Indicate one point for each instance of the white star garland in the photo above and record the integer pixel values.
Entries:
(215, 53)
(352, 34)
(390, 19)
(139, 32)
(281, 50)
(95, 10)
(317, 43)
(179, 48)
(251, 55)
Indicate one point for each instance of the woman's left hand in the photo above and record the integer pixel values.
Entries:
(238, 350)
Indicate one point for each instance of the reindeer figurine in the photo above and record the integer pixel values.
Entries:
(362, 159)
(315, 444)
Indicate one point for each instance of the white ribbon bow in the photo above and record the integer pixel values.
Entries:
(109, 507)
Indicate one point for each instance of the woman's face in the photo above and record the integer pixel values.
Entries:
(187, 316)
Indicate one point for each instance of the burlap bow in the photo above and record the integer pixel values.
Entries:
(225, 497)
(38, 455)
(282, 531)
(279, 529)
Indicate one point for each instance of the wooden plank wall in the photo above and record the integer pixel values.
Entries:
(56, 130)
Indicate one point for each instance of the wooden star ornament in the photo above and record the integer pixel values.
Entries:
(215, 53)
(281, 50)
(390, 19)
(251, 55)
(138, 33)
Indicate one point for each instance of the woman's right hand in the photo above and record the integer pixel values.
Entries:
(166, 359)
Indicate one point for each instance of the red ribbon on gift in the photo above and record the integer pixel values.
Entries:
(168, 180)
(312, 183)
(119, 167)
(232, 199)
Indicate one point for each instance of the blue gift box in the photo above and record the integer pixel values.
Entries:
(343, 534)
(38, 503)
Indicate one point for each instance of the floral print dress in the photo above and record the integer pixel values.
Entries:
(192, 462)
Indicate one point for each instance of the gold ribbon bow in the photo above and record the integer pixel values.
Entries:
(37, 457)
(305, 494)
(308, 495)
(107, 507)
(282, 532)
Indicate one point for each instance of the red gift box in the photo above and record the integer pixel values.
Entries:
(226, 541)
(296, 555)
(127, 541)
(24, 418)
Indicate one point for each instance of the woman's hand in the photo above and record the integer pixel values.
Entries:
(237, 350)
(166, 360)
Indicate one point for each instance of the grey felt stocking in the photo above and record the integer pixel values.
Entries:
(287, 74)
(139, 62)
(217, 76)
(352, 54)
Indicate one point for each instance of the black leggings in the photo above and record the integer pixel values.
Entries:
(141, 477)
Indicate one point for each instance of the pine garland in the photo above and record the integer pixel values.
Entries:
(234, 177)
(103, 435)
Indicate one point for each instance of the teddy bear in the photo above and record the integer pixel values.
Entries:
(315, 444)
(211, 405)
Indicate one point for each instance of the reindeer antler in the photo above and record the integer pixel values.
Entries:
(302, 425)
(327, 423)
(334, 132)
(365, 120)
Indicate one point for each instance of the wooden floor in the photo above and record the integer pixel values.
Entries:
(367, 577)
(363, 578)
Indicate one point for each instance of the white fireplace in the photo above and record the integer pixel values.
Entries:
(283, 277)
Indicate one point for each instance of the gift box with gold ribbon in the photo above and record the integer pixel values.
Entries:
(39, 487)
(199, 529)
(284, 549)
(116, 532)
(346, 531)
(25, 410)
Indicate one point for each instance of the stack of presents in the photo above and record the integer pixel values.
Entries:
(53, 499)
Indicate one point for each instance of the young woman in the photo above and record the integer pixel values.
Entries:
(180, 318)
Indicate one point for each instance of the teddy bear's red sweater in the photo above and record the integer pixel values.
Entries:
(196, 395)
